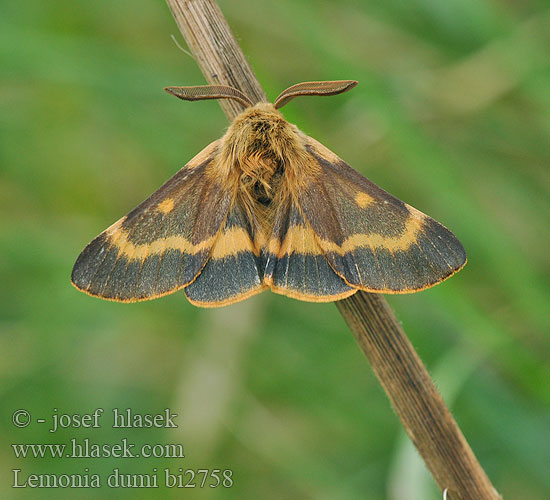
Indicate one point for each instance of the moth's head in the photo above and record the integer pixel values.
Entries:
(259, 124)
(260, 112)
(201, 92)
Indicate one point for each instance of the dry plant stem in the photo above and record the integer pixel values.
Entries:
(216, 51)
(415, 398)
(405, 380)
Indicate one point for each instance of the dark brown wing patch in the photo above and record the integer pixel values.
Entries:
(161, 245)
(234, 270)
(295, 264)
(373, 240)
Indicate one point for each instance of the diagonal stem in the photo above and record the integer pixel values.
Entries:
(416, 400)
(406, 381)
(216, 51)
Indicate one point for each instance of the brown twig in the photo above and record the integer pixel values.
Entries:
(408, 385)
(414, 397)
(216, 51)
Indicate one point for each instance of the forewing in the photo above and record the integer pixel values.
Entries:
(163, 244)
(234, 271)
(373, 240)
(295, 264)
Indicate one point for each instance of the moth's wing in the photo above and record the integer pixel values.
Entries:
(234, 270)
(294, 262)
(373, 240)
(161, 245)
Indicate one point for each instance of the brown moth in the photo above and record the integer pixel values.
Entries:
(267, 206)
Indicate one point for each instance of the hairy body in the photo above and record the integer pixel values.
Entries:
(264, 159)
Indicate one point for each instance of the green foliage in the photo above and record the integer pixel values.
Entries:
(451, 115)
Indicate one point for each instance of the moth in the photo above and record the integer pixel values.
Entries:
(267, 206)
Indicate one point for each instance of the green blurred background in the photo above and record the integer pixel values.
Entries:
(451, 115)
